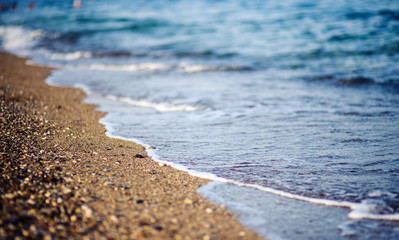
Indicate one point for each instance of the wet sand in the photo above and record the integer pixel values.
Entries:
(62, 177)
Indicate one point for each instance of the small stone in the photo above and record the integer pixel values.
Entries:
(25, 233)
(138, 156)
(109, 184)
(33, 229)
(140, 233)
(9, 196)
(209, 210)
(31, 202)
(242, 233)
(66, 190)
(74, 218)
(87, 212)
(188, 201)
(206, 237)
(114, 219)
(174, 220)
(158, 227)
(139, 201)
(47, 237)
(162, 164)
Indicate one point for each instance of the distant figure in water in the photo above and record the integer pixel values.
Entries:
(31, 5)
(2, 7)
(77, 4)
(14, 6)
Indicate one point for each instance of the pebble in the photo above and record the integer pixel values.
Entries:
(114, 219)
(109, 184)
(9, 196)
(87, 212)
(66, 190)
(188, 201)
(174, 220)
(74, 218)
(209, 210)
(206, 237)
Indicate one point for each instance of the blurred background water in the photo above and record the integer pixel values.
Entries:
(295, 96)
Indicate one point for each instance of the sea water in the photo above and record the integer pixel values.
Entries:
(291, 107)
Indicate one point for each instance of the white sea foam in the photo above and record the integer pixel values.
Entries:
(371, 210)
(196, 68)
(161, 106)
(379, 193)
(17, 39)
(68, 56)
(128, 67)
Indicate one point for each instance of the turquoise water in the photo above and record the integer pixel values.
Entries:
(278, 101)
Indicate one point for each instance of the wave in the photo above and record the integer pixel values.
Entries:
(67, 56)
(367, 209)
(148, 66)
(127, 67)
(159, 106)
(17, 39)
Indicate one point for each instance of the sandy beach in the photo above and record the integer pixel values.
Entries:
(62, 177)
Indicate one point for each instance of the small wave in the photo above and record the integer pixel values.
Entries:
(367, 209)
(161, 106)
(129, 67)
(373, 209)
(16, 38)
(68, 56)
(149, 66)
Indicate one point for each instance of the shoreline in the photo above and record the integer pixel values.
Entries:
(91, 186)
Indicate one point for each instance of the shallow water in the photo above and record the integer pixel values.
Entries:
(294, 98)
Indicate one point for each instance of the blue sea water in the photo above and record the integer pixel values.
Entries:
(292, 107)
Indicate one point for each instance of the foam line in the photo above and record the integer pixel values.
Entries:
(161, 107)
